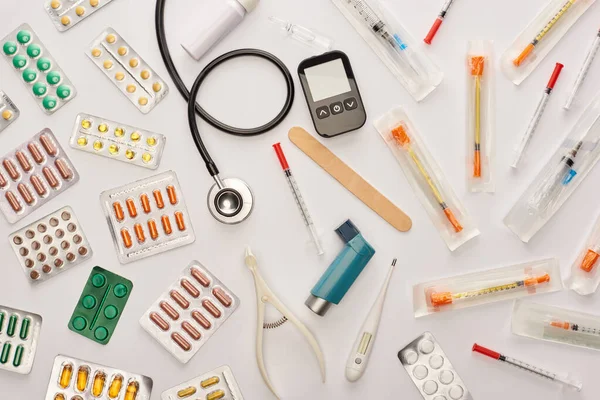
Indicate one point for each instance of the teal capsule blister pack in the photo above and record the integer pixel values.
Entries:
(100, 305)
(38, 70)
(19, 333)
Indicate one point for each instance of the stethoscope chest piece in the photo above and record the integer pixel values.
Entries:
(231, 201)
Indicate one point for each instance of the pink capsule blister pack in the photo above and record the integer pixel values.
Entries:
(32, 174)
(189, 312)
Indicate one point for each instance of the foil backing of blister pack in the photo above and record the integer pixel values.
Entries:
(431, 371)
(117, 141)
(127, 70)
(147, 217)
(39, 71)
(65, 14)
(50, 245)
(189, 312)
(19, 333)
(216, 384)
(8, 111)
(32, 174)
(75, 379)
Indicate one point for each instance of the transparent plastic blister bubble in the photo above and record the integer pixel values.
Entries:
(8, 111)
(33, 174)
(426, 178)
(539, 38)
(190, 312)
(480, 116)
(431, 371)
(37, 69)
(117, 141)
(127, 70)
(559, 178)
(50, 245)
(216, 384)
(555, 324)
(75, 379)
(483, 287)
(393, 44)
(585, 277)
(65, 14)
(19, 334)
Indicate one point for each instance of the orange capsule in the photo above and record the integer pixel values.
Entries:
(179, 299)
(35, 153)
(201, 319)
(180, 221)
(3, 181)
(166, 224)
(12, 200)
(118, 211)
(50, 177)
(153, 229)
(158, 198)
(190, 288)
(12, 170)
(145, 203)
(190, 330)
(22, 159)
(131, 207)
(172, 195)
(169, 310)
(25, 193)
(126, 238)
(159, 321)
(211, 308)
(139, 232)
(48, 145)
(63, 169)
(39, 187)
(184, 344)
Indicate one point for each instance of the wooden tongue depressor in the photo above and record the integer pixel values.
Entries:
(350, 179)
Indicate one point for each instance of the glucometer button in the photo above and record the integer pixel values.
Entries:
(350, 104)
(336, 108)
(323, 112)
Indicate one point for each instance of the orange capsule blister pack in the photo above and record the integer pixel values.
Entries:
(147, 217)
(189, 312)
(32, 174)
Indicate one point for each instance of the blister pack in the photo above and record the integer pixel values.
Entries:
(75, 379)
(127, 70)
(189, 312)
(19, 333)
(214, 385)
(431, 371)
(50, 245)
(117, 141)
(65, 14)
(33, 174)
(8, 111)
(148, 203)
(39, 71)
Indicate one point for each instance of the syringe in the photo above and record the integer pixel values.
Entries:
(564, 380)
(438, 22)
(298, 197)
(584, 71)
(569, 326)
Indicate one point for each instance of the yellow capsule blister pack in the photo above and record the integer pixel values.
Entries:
(72, 378)
(127, 70)
(117, 141)
(65, 14)
(214, 385)
(8, 111)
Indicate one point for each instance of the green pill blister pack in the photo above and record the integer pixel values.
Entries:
(100, 305)
(19, 332)
(38, 70)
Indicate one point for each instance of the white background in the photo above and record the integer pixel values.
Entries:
(248, 92)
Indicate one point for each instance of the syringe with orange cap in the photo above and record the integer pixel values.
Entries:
(401, 137)
(477, 65)
(570, 326)
(444, 298)
(543, 32)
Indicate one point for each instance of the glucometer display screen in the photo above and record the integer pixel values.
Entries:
(327, 80)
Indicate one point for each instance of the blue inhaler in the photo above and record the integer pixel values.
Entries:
(342, 272)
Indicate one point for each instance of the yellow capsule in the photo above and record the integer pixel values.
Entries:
(59, 396)
(82, 378)
(132, 390)
(94, 3)
(98, 385)
(216, 395)
(131, 88)
(79, 11)
(187, 392)
(65, 376)
(209, 382)
(146, 157)
(113, 149)
(82, 141)
(157, 87)
(129, 154)
(119, 76)
(65, 20)
(122, 50)
(86, 124)
(135, 136)
(143, 101)
(55, 4)
(115, 387)
(151, 141)
(7, 114)
(110, 38)
(103, 128)
(98, 145)
(133, 62)
(96, 52)
(107, 64)
(145, 74)
(119, 132)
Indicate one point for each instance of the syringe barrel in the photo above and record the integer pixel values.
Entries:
(298, 198)
(531, 128)
(565, 380)
(583, 71)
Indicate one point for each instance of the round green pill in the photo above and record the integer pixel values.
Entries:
(40, 89)
(79, 323)
(44, 64)
(120, 290)
(53, 77)
(111, 312)
(29, 75)
(98, 280)
(88, 302)
(101, 333)
(19, 61)
(49, 102)
(34, 50)
(24, 37)
(63, 91)
(9, 48)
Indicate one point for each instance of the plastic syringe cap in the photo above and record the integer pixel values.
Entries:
(347, 231)
(555, 74)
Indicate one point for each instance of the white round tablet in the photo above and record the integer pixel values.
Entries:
(410, 357)
(430, 387)
(446, 377)
(426, 346)
(436, 361)
(456, 392)
(420, 372)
